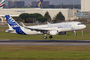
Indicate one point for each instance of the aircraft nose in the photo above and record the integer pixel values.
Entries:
(84, 26)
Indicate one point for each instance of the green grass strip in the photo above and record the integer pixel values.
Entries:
(46, 54)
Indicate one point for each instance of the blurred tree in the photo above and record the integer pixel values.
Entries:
(36, 15)
(42, 19)
(33, 17)
(18, 19)
(47, 16)
(30, 17)
(60, 17)
(24, 16)
(29, 20)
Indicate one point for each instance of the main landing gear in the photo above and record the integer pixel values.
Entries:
(50, 37)
(45, 37)
(75, 33)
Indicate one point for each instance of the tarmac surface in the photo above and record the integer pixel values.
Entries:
(46, 42)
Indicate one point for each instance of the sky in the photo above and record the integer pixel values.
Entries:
(55, 2)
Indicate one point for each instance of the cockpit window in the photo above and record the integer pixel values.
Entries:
(79, 23)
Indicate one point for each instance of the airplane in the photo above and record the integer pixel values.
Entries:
(39, 5)
(51, 29)
(2, 2)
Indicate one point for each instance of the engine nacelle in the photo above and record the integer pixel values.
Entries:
(62, 33)
(53, 32)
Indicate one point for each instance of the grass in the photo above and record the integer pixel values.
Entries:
(68, 36)
(45, 52)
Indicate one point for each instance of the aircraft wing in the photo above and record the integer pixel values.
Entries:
(38, 29)
(51, 31)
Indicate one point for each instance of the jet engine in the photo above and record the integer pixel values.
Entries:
(62, 33)
(53, 32)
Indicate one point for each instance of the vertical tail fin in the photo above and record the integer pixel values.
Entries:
(39, 5)
(10, 27)
(2, 2)
(12, 22)
(14, 25)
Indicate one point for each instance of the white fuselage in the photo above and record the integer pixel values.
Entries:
(60, 27)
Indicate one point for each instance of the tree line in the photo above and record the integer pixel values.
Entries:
(36, 17)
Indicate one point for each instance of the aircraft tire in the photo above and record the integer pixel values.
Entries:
(50, 37)
(75, 34)
(45, 37)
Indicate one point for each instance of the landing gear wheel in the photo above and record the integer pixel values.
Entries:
(45, 37)
(50, 37)
(75, 34)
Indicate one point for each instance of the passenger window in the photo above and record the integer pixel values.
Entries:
(79, 23)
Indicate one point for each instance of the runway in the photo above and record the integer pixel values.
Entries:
(46, 42)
